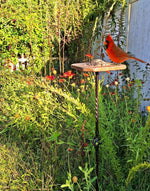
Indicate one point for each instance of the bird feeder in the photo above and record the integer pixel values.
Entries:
(97, 66)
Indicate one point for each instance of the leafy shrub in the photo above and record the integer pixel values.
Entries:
(53, 32)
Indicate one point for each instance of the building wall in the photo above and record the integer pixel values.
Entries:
(138, 43)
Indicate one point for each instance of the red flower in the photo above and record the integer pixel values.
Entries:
(28, 82)
(130, 85)
(61, 76)
(85, 145)
(50, 77)
(113, 93)
(82, 81)
(14, 20)
(130, 112)
(61, 80)
(112, 83)
(85, 74)
(70, 149)
(9, 47)
(68, 74)
(89, 56)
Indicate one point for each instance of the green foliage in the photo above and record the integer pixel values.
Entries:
(69, 183)
(87, 181)
(51, 32)
(52, 122)
(40, 29)
(88, 186)
(14, 174)
(139, 167)
(43, 117)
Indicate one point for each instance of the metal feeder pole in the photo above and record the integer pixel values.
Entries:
(96, 138)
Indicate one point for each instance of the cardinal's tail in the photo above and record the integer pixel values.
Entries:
(138, 59)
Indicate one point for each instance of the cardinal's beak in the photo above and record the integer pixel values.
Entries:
(105, 43)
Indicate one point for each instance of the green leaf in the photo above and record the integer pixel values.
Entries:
(54, 136)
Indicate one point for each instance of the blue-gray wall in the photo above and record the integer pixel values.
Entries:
(138, 43)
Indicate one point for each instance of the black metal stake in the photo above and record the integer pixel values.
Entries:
(96, 138)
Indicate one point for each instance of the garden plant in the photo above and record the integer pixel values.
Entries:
(47, 111)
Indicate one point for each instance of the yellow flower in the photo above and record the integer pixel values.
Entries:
(40, 102)
(74, 179)
(16, 115)
(54, 72)
(27, 117)
(73, 84)
(148, 108)
(82, 87)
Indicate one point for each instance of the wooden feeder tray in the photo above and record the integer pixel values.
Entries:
(97, 66)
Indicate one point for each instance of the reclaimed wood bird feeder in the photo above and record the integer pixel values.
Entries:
(96, 66)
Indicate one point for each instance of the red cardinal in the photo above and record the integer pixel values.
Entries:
(115, 53)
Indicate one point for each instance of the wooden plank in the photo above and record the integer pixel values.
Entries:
(87, 67)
